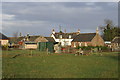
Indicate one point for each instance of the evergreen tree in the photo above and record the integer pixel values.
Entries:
(109, 31)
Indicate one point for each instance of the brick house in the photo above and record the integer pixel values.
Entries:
(78, 39)
(3, 39)
(88, 39)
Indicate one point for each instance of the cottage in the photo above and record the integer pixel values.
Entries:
(64, 38)
(88, 39)
(3, 39)
(29, 42)
(115, 44)
(15, 40)
(25, 42)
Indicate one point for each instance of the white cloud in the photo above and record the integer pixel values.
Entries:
(92, 9)
(7, 17)
(42, 17)
(23, 23)
(32, 27)
(111, 4)
(90, 3)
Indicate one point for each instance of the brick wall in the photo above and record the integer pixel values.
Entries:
(97, 41)
(41, 39)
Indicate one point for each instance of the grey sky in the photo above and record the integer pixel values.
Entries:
(39, 18)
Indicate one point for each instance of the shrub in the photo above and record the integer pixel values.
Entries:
(93, 47)
(5, 47)
(85, 47)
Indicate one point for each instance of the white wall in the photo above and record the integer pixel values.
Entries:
(30, 46)
(4, 42)
(64, 42)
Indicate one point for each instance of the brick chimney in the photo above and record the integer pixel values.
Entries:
(78, 32)
(53, 31)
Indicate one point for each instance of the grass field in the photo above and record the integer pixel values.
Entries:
(41, 65)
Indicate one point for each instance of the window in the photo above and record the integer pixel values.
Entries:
(85, 44)
(60, 36)
(74, 44)
(69, 36)
(79, 43)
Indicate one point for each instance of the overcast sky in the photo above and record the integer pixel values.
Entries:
(39, 18)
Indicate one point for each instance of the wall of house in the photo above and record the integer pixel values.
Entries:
(115, 46)
(64, 42)
(97, 41)
(75, 44)
(53, 36)
(41, 39)
(30, 46)
(4, 42)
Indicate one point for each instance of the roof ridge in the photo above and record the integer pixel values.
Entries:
(117, 37)
(2, 36)
(66, 33)
(84, 37)
(87, 33)
(35, 35)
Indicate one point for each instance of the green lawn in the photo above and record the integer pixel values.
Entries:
(41, 65)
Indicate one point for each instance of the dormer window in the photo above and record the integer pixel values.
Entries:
(60, 36)
(69, 36)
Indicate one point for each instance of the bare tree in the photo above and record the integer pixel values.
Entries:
(108, 21)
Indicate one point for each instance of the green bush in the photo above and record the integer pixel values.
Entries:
(93, 47)
(85, 47)
(5, 47)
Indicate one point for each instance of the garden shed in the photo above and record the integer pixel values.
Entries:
(46, 46)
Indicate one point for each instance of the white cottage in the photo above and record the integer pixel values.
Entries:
(64, 38)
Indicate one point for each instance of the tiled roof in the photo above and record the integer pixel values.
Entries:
(15, 40)
(65, 35)
(2, 36)
(31, 38)
(84, 37)
(50, 39)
